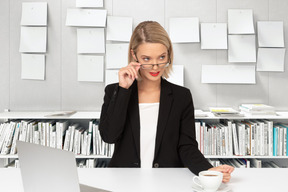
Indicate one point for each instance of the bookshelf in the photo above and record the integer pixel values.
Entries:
(280, 117)
(90, 115)
(83, 118)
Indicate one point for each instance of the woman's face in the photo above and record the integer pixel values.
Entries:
(148, 54)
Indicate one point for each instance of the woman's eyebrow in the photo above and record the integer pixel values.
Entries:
(158, 56)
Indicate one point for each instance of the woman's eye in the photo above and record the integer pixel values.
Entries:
(146, 59)
(162, 57)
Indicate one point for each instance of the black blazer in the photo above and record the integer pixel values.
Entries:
(175, 145)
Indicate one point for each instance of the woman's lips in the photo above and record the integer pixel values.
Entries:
(154, 74)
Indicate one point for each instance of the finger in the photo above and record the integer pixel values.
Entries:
(134, 64)
(126, 73)
(228, 168)
(226, 179)
(132, 76)
(135, 72)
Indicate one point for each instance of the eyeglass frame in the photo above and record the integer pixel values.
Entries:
(152, 65)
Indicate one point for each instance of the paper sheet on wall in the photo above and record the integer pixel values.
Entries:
(240, 21)
(34, 13)
(270, 33)
(119, 28)
(271, 59)
(116, 55)
(213, 36)
(230, 74)
(89, 3)
(177, 75)
(33, 66)
(90, 68)
(90, 40)
(33, 39)
(111, 76)
(242, 48)
(184, 30)
(86, 17)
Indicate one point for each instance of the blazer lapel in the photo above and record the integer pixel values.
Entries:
(166, 101)
(134, 116)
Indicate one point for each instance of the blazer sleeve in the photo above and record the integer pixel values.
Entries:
(113, 112)
(188, 146)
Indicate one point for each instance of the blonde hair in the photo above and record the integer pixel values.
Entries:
(151, 32)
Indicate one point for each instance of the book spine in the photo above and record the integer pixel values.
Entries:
(275, 141)
(285, 141)
(270, 138)
(235, 139)
(16, 137)
(230, 138)
(280, 141)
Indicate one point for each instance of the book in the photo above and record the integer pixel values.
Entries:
(256, 107)
(226, 110)
(235, 139)
(60, 114)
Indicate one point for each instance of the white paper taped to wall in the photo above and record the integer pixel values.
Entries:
(231, 74)
(86, 17)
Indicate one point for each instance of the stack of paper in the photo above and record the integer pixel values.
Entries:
(224, 111)
(257, 109)
(200, 113)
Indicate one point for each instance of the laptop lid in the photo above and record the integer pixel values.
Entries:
(47, 169)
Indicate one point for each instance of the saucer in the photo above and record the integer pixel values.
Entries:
(223, 188)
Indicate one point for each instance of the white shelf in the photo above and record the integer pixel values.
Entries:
(42, 115)
(206, 156)
(245, 157)
(96, 115)
(280, 115)
(76, 156)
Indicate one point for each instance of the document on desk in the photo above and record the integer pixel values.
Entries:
(33, 39)
(34, 13)
(90, 40)
(119, 28)
(270, 33)
(184, 30)
(213, 36)
(33, 66)
(177, 75)
(242, 48)
(240, 21)
(231, 74)
(89, 3)
(111, 76)
(116, 55)
(90, 68)
(271, 59)
(86, 17)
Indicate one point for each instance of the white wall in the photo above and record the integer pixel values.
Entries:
(62, 91)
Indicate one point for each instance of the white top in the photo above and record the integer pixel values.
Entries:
(148, 126)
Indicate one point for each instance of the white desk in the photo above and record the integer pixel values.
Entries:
(174, 179)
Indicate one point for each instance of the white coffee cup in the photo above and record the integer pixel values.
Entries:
(209, 181)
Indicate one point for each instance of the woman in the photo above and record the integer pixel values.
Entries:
(150, 120)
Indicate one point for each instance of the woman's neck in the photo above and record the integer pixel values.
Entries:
(145, 85)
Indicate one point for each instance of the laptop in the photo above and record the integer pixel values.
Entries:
(48, 169)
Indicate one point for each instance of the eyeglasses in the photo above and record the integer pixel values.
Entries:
(150, 66)
(159, 65)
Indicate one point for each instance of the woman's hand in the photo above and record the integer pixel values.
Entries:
(226, 170)
(128, 74)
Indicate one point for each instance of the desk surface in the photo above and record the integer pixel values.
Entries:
(170, 179)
